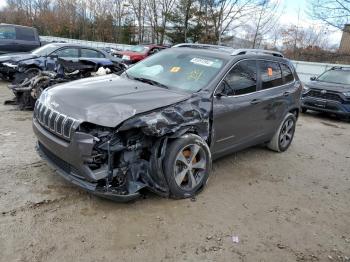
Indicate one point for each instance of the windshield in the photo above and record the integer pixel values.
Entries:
(177, 70)
(138, 48)
(45, 50)
(335, 76)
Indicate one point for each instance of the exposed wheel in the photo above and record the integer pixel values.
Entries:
(303, 110)
(187, 165)
(284, 135)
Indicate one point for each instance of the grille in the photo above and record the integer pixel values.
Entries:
(53, 121)
(327, 96)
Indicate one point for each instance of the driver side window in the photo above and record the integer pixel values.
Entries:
(67, 52)
(242, 79)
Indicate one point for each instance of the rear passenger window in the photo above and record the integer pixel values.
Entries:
(271, 75)
(241, 79)
(26, 34)
(7, 32)
(287, 74)
(91, 53)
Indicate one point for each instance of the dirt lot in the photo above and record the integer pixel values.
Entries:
(293, 206)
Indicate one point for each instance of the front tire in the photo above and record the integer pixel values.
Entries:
(187, 166)
(284, 135)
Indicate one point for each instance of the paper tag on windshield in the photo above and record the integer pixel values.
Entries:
(201, 61)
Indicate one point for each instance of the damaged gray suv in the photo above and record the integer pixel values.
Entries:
(160, 124)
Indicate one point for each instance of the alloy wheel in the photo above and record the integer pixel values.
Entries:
(190, 166)
(287, 133)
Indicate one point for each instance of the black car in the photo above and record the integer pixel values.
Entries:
(160, 124)
(329, 92)
(44, 58)
(17, 38)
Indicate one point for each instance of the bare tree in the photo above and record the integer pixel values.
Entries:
(264, 20)
(335, 13)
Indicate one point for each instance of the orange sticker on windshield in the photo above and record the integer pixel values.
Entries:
(269, 71)
(175, 69)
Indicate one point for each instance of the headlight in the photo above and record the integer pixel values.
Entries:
(10, 65)
(347, 94)
(126, 57)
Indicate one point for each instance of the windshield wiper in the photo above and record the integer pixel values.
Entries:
(150, 81)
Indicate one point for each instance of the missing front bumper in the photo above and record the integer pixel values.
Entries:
(67, 172)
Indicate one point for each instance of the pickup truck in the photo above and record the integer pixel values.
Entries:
(17, 38)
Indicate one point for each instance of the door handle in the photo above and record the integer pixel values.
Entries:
(287, 93)
(255, 101)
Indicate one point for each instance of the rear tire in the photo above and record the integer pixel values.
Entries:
(303, 110)
(284, 135)
(187, 166)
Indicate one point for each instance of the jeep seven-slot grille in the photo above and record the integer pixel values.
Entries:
(53, 121)
(328, 95)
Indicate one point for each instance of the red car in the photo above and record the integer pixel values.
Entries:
(137, 53)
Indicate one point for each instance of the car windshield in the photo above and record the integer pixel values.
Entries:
(174, 69)
(138, 48)
(45, 50)
(335, 76)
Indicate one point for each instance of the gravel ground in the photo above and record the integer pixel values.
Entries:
(293, 206)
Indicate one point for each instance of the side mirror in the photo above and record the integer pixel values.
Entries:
(220, 92)
(313, 78)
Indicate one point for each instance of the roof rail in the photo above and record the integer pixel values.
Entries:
(256, 51)
(231, 50)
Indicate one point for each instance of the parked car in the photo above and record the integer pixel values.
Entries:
(329, 92)
(136, 53)
(160, 124)
(29, 89)
(44, 58)
(17, 38)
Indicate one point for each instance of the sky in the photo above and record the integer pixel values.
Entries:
(289, 16)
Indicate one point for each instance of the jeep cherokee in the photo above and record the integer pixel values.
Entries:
(159, 125)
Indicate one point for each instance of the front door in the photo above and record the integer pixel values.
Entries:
(238, 114)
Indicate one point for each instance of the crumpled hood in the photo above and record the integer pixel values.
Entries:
(328, 86)
(107, 100)
(16, 57)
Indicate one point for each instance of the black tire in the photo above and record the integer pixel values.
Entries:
(303, 110)
(284, 135)
(177, 164)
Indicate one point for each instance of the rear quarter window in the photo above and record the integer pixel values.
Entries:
(26, 34)
(287, 74)
(271, 74)
(90, 53)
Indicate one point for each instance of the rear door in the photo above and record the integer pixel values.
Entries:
(7, 39)
(276, 87)
(238, 115)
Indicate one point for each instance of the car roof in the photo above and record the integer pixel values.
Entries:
(17, 25)
(229, 51)
(345, 68)
(230, 54)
